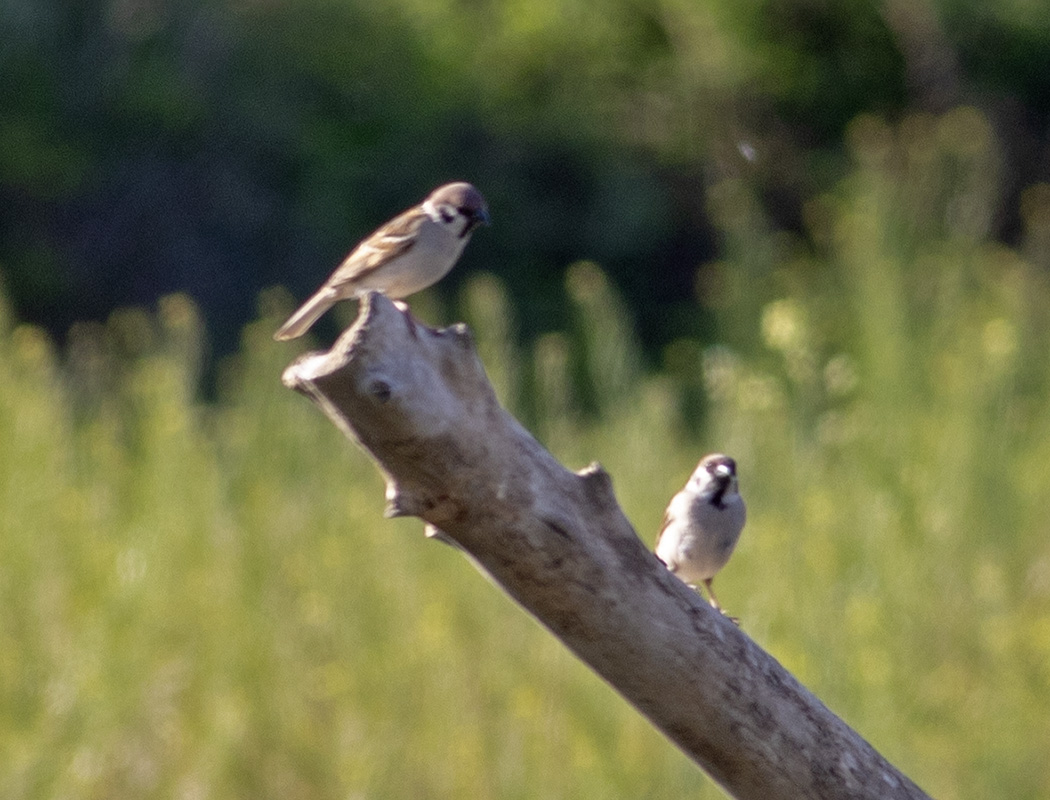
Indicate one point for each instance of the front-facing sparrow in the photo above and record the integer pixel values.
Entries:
(702, 524)
(414, 250)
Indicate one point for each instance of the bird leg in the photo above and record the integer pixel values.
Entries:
(715, 604)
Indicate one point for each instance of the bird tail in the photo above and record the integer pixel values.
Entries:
(308, 313)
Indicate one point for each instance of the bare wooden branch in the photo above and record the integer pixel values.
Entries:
(418, 400)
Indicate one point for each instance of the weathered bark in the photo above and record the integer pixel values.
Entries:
(419, 402)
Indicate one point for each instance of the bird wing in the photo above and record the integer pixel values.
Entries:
(389, 242)
(663, 526)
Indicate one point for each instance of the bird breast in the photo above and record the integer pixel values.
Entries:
(700, 536)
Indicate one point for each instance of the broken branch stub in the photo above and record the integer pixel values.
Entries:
(418, 401)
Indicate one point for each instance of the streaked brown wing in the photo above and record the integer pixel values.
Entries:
(389, 242)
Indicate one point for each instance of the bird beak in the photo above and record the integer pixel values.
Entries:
(478, 218)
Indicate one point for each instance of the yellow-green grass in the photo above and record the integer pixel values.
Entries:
(204, 601)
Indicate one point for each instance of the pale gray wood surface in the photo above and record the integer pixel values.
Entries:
(419, 402)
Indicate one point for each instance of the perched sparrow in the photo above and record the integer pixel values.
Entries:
(702, 524)
(414, 250)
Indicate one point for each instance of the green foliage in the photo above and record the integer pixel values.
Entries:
(219, 147)
(893, 412)
(205, 600)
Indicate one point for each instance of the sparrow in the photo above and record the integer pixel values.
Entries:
(702, 524)
(414, 250)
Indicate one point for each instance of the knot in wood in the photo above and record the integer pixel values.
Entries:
(380, 390)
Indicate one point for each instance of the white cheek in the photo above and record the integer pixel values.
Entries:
(700, 482)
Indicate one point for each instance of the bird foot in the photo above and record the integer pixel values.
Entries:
(715, 605)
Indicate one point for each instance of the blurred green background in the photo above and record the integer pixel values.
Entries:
(813, 235)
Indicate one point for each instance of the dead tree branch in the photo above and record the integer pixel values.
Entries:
(419, 402)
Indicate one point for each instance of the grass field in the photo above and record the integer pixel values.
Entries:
(204, 601)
